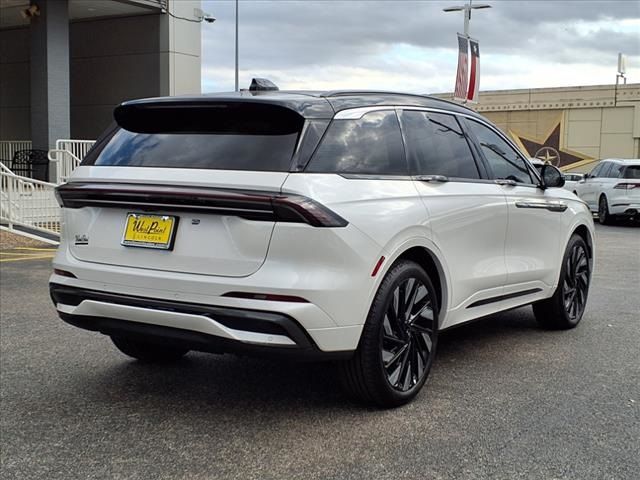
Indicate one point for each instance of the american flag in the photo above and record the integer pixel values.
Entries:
(460, 92)
(474, 77)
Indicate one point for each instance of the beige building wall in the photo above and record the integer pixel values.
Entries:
(584, 124)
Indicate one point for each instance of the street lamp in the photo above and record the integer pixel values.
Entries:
(467, 12)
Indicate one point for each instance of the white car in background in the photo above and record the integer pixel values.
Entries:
(571, 181)
(612, 189)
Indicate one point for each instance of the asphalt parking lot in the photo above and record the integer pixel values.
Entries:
(505, 400)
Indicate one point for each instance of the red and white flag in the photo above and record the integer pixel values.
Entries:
(460, 92)
(474, 76)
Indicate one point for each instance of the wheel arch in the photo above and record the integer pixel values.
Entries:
(583, 231)
(428, 259)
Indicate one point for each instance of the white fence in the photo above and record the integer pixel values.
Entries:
(77, 148)
(9, 147)
(27, 206)
(28, 203)
(67, 156)
(65, 163)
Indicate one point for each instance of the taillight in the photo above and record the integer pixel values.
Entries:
(627, 186)
(249, 204)
(296, 208)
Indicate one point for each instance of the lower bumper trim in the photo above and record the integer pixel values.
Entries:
(235, 318)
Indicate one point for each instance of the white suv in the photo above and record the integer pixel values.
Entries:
(612, 189)
(338, 225)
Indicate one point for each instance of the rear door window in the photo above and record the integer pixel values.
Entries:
(436, 145)
(604, 171)
(235, 137)
(369, 145)
(616, 169)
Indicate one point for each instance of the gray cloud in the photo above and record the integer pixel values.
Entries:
(290, 35)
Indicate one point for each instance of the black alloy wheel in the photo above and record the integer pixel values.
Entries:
(575, 286)
(565, 308)
(398, 341)
(603, 211)
(406, 342)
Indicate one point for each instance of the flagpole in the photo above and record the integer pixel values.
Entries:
(237, 84)
(466, 10)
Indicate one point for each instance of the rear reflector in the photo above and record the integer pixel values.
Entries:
(377, 267)
(266, 296)
(249, 204)
(64, 273)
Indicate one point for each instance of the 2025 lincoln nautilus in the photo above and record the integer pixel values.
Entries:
(346, 226)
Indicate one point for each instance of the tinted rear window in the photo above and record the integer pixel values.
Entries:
(236, 137)
(370, 145)
(632, 172)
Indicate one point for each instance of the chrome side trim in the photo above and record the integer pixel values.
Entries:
(552, 206)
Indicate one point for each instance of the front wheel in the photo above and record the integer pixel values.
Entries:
(398, 341)
(565, 308)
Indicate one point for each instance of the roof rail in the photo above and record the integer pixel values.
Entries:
(345, 93)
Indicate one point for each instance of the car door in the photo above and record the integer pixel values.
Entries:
(589, 189)
(467, 212)
(534, 240)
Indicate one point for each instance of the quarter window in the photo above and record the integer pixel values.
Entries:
(436, 145)
(370, 145)
(505, 162)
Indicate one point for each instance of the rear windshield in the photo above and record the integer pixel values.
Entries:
(230, 137)
(632, 172)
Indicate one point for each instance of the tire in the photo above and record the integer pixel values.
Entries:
(398, 341)
(148, 352)
(565, 308)
(603, 212)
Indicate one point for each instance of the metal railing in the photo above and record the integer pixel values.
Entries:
(28, 205)
(77, 148)
(65, 161)
(9, 147)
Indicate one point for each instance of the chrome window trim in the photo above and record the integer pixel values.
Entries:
(358, 112)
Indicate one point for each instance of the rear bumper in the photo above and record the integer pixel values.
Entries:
(199, 327)
(624, 207)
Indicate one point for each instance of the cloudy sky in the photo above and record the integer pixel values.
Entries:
(411, 45)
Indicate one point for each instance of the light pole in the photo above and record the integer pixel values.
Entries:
(237, 85)
(467, 13)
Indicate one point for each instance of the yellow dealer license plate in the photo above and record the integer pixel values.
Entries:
(149, 231)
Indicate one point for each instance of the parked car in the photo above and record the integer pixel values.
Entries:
(612, 189)
(344, 226)
(571, 181)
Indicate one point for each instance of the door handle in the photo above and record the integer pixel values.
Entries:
(432, 178)
(504, 181)
(552, 206)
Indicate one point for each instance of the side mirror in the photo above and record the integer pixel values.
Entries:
(551, 177)
(586, 175)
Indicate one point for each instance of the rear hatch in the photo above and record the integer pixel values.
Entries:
(182, 188)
